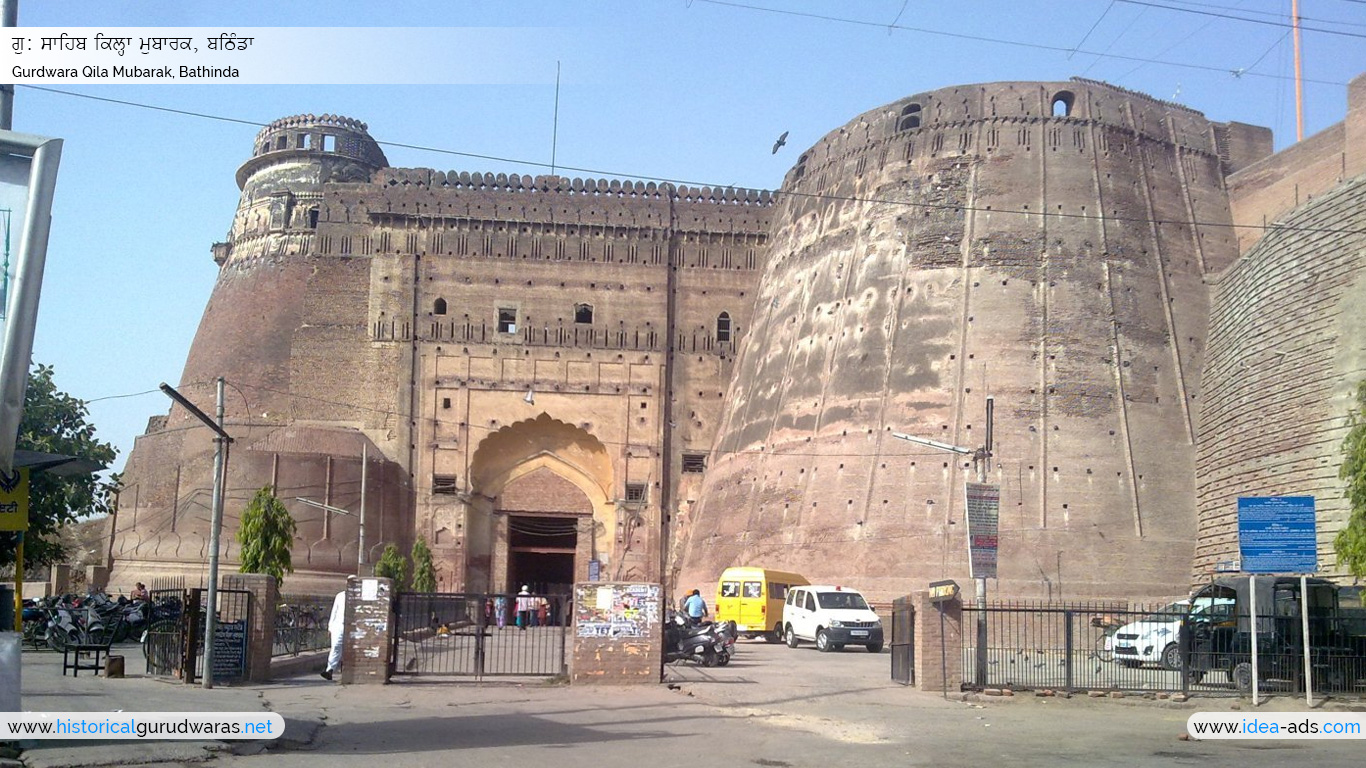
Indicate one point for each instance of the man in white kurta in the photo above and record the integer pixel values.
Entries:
(336, 626)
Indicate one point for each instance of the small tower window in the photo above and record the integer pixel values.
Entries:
(583, 313)
(635, 492)
(694, 463)
(439, 307)
(910, 118)
(329, 143)
(282, 142)
(313, 218)
(723, 327)
(1062, 103)
(507, 320)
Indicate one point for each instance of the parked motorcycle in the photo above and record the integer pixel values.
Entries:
(702, 643)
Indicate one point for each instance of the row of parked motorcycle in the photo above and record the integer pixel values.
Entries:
(709, 643)
(94, 619)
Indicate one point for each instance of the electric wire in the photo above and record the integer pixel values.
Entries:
(1265, 22)
(996, 40)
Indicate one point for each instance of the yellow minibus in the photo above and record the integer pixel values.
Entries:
(753, 599)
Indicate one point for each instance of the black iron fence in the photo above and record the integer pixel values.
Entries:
(1103, 646)
(301, 625)
(173, 644)
(478, 635)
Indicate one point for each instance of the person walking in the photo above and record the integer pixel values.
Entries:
(526, 604)
(695, 607)
(500, 611)
(336, 626)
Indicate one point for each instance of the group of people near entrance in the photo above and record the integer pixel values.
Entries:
(530, 610)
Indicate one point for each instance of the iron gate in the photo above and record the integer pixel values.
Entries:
(171, 636)
(477, 634)
(903, 641)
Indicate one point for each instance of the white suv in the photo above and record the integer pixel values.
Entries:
(831, 617)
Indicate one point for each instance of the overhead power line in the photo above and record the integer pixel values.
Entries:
(692, 183)
(1265, 22)
(1003, 41)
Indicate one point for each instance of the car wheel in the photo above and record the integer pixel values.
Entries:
(1241, 675)
(823, 643)
(874, 647)
(1171, 656)
(791, 637)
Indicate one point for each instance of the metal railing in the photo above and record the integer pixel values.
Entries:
(478, 635)
(301, 625)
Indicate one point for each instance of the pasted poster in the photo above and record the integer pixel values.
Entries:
(617, 610)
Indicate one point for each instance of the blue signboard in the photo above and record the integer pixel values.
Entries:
(1276, 534)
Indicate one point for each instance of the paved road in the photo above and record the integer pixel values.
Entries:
(771, 707)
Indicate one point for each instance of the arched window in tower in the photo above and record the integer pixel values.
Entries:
(439, 307)
(1062, 103)
(583, 314)
(313, 218)
(723, 327)
(910, 118)
(801, 167)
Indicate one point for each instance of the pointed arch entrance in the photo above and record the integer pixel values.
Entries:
(540, 505)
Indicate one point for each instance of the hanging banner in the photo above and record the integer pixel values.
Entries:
(984, 512)
(14, 500)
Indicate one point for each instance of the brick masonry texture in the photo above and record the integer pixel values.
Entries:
(502, 346)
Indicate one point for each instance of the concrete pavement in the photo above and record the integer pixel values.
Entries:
(772, 706)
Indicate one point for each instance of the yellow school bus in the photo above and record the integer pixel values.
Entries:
(753, 599)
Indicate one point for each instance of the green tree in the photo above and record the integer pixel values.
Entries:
(1350, 543)
(424, 573)
(55, 422)
(393, 565)
(266, 535)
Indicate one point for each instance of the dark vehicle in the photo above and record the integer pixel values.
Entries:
(1221, 640)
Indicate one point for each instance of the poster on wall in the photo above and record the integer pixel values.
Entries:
(617, 610)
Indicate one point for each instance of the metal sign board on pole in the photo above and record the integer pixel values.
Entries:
(984, 514)
(1279, 534)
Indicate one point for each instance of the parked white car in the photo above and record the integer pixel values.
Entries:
(1156, 638)
(831, 617)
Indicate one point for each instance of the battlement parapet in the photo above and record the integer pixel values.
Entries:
(545, 184)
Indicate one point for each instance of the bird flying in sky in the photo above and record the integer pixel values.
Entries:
(777, 145)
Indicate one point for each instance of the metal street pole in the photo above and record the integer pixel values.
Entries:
(364, 470)
(9, 17)
(220, 463)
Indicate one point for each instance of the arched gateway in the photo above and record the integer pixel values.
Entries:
(540, 511)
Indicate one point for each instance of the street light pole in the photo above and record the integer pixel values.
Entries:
(981, 458)
(220, 464)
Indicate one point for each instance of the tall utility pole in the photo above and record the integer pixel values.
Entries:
(9, 17)
(220, 466)
(1299, 74)
(364, 472)
(981, 458)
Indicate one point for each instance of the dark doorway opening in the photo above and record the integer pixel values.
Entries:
(541, 553)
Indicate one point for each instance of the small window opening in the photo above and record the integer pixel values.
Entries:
(313, 218)
(694, 463)
(439, 307)
(910, 118)
(1062, 104)
(329, 143)
(583, 313)
(445, 402)
(443, 484)
(507, 320)
(299, 140)
(723, 327)
(635, 492)
(282, 142)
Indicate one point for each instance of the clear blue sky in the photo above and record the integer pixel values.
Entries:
(679, 89)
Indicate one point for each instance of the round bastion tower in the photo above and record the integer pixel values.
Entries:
(1031, 242)
(277, 309)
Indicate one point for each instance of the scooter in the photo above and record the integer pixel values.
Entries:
(684, 641)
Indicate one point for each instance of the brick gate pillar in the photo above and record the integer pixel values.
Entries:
(618, 633)
(370, 630)
(265, 603)
(938, 665)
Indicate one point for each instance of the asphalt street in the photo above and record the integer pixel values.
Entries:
(772, 706)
